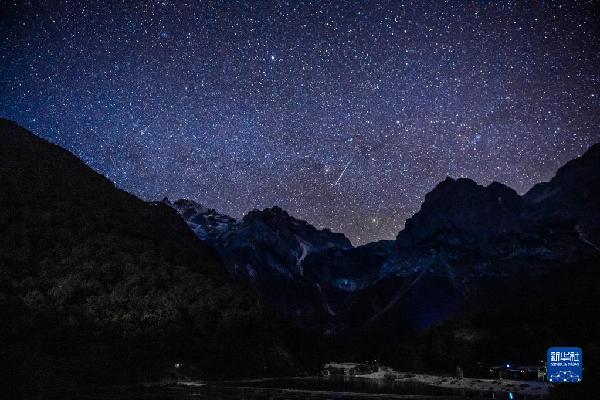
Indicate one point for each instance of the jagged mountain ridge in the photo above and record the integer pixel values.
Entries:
(269, 248)
(206, 223)
(463, 234)
(494, 223)
(287, 236)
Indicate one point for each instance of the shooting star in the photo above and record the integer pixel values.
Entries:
(144, 130)
(342, 174)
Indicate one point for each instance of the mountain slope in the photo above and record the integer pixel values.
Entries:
(571, 199)
(269, 248)
(471, 245)
(98, 286)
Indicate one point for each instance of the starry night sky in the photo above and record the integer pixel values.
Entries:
(344, 113)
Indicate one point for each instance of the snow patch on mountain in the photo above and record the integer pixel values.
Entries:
(306, 249)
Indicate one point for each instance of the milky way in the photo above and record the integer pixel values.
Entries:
(344, 113)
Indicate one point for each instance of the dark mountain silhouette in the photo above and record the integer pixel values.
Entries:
(98, 286)
(465, 242)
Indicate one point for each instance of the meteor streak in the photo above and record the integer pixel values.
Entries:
(342, 174)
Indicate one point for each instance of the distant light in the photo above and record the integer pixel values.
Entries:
(507, 365)
(510, 395)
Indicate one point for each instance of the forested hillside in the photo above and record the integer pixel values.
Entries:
(98, 286)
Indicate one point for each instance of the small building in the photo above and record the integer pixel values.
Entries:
(349, 369)
(523, 372)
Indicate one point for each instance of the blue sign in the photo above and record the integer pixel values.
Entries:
(565, 364)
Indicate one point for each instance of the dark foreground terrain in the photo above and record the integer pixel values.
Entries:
(315, 388)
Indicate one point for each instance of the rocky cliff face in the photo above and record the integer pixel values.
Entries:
(493, 231)
(569, 202)
(270, 248)
(459, 211)
(206, 223)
